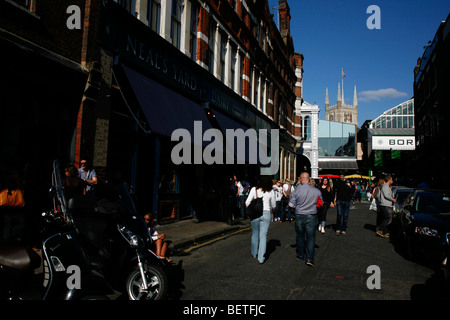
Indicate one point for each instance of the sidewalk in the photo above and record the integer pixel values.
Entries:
(189, 234)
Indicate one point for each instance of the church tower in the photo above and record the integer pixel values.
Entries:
(342, 112)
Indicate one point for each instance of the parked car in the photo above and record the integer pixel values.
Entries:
(401, 194)
(424, 223)
(446, 263)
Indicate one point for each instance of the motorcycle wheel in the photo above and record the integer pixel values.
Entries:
(156, 280)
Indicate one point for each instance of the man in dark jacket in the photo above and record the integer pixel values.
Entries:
(343, 195)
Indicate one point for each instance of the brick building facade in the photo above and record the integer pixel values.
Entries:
(225, 62)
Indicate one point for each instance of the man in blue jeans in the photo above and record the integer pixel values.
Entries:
(344, 192)
(304, 200)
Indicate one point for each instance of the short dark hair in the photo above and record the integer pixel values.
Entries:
(265, 182)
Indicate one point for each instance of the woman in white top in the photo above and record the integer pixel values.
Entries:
(260, 226)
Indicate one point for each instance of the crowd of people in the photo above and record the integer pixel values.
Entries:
(307, 203)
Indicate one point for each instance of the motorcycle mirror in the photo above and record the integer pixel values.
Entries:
(52, 191)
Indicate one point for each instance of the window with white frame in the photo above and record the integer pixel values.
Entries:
(155, 15)
(211, 43)
(250, 82)
(307, 128)
(241, 73)
(222, 55)
(175, 29)
(263, 39)
(233, 67)
(129, 5)
(193, 31)
(256, 90)
(24, 3)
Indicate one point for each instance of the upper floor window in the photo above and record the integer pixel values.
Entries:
(193, 31)
(241, 73)
(307, 128)
(129, 5)
(175, 30)
(233, 5)
(263, 39)
(233, 68)
(24, 3)
(154, 15)
(222, 55)
(211, 42)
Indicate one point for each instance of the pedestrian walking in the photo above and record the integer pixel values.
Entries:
(243, 187)
(286, 196)
(343, 196)
(277, 189)
(304, 200)
(260, 226)
(377, 202)
(386, 201)
(328, 198)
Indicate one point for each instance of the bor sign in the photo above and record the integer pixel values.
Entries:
(393, 142)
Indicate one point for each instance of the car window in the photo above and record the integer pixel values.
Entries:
(432, 203)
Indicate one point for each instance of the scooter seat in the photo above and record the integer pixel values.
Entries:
(16, 256)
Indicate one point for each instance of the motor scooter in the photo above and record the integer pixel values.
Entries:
(64, 264)
(117, 242)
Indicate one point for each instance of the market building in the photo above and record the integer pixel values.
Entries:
(388, 142)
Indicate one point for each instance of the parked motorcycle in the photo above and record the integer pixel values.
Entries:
(117, 242)
(64, 262)
(86, 238)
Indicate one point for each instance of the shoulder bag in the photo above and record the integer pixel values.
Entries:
(255, 208)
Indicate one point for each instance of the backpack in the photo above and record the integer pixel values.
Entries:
(289, 190)
(246, 187)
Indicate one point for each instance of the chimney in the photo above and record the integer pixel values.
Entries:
(285, 20)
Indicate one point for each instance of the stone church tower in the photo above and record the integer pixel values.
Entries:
(342, 112)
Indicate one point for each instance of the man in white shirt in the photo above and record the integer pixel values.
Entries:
(278, 190)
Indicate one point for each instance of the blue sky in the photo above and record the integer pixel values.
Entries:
(333, 35)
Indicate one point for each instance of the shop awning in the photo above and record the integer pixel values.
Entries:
(226, 122)
(165, 109)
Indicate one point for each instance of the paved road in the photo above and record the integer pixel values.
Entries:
(225, 270)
